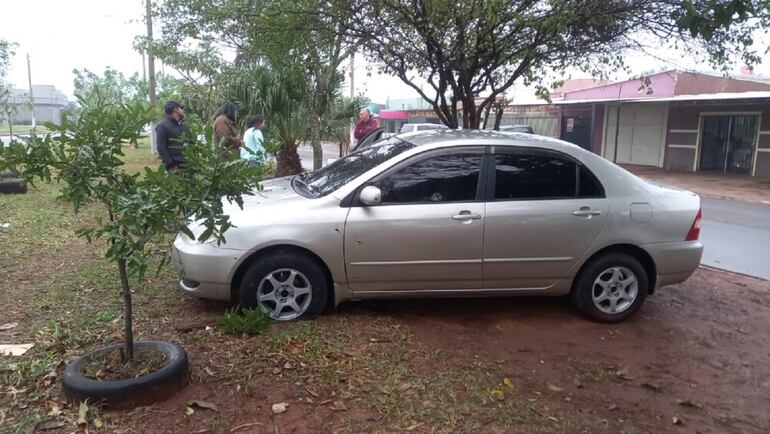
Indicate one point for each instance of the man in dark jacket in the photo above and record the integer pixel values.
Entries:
(171, 134)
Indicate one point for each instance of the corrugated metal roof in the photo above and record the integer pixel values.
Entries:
(699, 97)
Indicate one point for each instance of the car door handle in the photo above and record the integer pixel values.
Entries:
(466, 215)
(586, 212)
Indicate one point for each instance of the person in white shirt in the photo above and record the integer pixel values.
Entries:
(253, 149)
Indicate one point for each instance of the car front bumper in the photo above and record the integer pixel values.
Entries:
(204, 269)
(675, 262)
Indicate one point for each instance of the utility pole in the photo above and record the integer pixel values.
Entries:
(352, 76)
(151, 73)
(31, 95)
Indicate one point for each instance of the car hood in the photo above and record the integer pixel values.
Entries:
(272, 192)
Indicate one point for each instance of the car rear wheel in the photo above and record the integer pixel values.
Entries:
(286, 286)
(611, 287)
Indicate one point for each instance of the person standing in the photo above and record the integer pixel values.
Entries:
(172, 134)
(366, 123)
(253, 150)
(225, 132)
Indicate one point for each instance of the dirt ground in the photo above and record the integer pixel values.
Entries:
(695, 359)
(744, 188)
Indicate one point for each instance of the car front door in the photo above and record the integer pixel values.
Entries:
(426, 235)
(545, 209)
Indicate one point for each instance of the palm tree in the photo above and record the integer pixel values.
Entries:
(281, 96)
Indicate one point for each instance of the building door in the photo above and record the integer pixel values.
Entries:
(728, 143)
(576, 128)
(641, 132)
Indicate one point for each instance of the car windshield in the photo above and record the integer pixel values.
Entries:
(328, 179)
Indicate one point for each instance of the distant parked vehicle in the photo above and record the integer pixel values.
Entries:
(517, 129)
(410, 128)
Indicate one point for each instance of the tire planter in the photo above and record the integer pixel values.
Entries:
(133, 392)
(12, 186)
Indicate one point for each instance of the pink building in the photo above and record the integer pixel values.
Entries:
(674, 119)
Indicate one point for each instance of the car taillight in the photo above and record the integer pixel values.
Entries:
(694, 229)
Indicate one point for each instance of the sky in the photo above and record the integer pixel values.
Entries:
(62, 35)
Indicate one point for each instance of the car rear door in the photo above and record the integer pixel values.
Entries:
(427, 233)
(544, 211)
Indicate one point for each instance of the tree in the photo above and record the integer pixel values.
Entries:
(283, 95)
(140, 211)
(111, 88)
(6, 52)
(280, 34)
(470, 53)
(294, 33)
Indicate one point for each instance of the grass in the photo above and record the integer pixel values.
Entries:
(237, 321)
(367, 366)
(20, 129)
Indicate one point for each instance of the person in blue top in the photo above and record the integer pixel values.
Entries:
(253, 150)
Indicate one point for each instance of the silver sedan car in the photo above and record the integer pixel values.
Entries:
(446, 214)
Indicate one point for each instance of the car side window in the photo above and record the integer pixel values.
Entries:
(542, 175)
(588, 185)
(533, 176)
(439, 179)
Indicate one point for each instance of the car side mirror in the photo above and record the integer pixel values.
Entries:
(371, 195)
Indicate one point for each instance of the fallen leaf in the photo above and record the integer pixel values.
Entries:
(651, 386)
(623, 374)
(507, 382)
(676, 420)
(497, 394)
(414, 427)
(287, 365)
(48, 425)
(689, 403)
(202, 404)
(189, 411)
(55, 411)
(612, 406)
(98, 423)
(554, 388)
(14, 349)
(339, 406)
(403, 387)
(280, 407)
(277, 371)
(82, 413)
(8, 326)
(553, 419)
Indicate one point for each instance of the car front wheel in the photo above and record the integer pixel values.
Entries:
(611, 287)
(286, 286)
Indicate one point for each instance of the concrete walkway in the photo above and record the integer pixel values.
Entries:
(734, 187)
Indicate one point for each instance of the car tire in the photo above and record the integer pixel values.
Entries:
(610, 287)
(277, 279)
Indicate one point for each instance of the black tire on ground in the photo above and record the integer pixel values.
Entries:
(258, 270)
(143, 390)
(12, 186)
(584, 287)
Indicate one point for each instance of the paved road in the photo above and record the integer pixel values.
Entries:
(736, 236)
(306, 154)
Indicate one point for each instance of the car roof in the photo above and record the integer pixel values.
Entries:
(485, 137)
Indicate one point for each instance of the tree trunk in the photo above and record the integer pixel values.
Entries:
(315, 141)
(499, 110)
(128, 332)
(288, 162)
